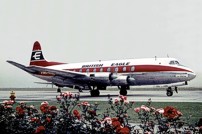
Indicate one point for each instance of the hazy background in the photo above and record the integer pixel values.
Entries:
(91, 30)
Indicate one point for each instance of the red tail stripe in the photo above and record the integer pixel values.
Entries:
(36, 46)
(44, 63)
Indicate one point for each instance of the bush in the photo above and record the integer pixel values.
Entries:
(75, 117)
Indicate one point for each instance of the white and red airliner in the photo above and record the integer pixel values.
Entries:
(98, 75)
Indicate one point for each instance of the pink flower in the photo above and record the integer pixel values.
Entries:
(179, 113)
(10, 102)
(58, 97)
(108, 120)
(116, 101)
(8, 106)
(5, 102)
(126, 102)
(137, 109)
(153, 109)
(32, 106)
(62, 94)
(22, 103)
(160, 110)
(44, 103)
(85, 103)
(68, 94)
(123, 98)
(145, 108)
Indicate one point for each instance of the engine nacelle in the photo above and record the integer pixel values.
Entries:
(100, 78)
(123, 80)
(131, 80)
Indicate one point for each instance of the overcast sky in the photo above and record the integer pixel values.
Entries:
(91, 30)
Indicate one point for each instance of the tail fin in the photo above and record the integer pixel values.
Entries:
(37, 58)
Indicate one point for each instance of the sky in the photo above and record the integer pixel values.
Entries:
(92, 30)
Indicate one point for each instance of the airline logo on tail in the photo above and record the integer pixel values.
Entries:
(37, 52)
(37, 58)
(37, 55)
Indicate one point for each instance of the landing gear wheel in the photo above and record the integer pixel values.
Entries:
(95, 93)
(58, 90)
(123, 92)
(169, 92)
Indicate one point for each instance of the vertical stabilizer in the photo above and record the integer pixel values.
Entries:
(37, 54)
(37, 58)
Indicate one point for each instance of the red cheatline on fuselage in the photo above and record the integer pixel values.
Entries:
(137, 68)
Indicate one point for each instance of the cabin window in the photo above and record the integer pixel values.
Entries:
(116, 69)
(94, 70)
(132, 69)
(124, 69)
(101, 69)
(108, 69)
(174, 62)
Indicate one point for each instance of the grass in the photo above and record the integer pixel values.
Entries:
(189, 109)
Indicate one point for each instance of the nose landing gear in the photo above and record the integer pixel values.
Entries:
(59, 90)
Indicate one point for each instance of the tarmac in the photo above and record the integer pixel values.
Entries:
(42, 94)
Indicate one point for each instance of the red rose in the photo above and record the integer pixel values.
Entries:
(48, 119)
(44, 108)
(20, 111)
(52, 108)
(171, 112)
(116, 124)
(40, 129)
(124, 130)
(77, 114)
(92, 112)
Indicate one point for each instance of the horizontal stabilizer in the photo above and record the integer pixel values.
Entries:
(21, 66)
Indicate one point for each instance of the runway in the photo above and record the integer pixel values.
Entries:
(140, 95)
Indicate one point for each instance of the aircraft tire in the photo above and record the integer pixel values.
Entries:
(95, 93)
(58, 90)
(169, 93)
(123, 92)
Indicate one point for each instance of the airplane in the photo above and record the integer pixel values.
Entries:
(95, 76)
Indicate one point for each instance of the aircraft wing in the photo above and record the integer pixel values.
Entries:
(48, 71)
(21, 66)
(54, 72)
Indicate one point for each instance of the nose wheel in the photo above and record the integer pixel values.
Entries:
(58, 90)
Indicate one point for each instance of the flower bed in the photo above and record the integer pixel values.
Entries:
(73, 116)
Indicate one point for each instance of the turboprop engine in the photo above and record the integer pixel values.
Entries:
(102, 77)
(112, 79)
(123, 80)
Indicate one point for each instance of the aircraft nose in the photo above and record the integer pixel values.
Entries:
(192, 75)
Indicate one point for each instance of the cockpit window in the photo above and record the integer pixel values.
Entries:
(174, 62)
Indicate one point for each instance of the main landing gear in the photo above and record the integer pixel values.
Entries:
(170, 91)
(123, 90)
(94, 92)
